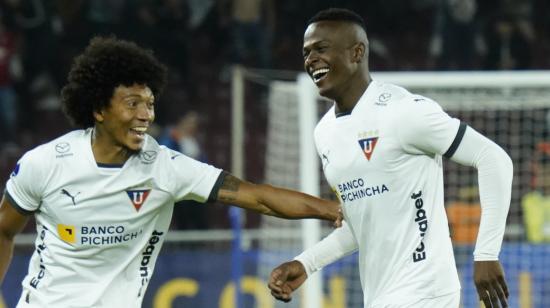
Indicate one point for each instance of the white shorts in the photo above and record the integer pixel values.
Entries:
(451, 300)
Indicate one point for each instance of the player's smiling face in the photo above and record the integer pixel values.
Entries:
(328, 56)
(124, 122)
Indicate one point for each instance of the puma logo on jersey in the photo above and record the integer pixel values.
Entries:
(138, 197)
(368, 145)
(66, 193)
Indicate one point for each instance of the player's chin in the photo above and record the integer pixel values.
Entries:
(134, 144)
(325, 90)
(135, 141)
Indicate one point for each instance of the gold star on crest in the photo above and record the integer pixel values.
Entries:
(368, 134)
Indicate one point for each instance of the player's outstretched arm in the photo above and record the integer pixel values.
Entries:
(274, 201)
(11, 223)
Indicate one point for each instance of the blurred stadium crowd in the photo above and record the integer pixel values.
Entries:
(200, 39)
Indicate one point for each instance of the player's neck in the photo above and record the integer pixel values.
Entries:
(106, 151)
(351, 94)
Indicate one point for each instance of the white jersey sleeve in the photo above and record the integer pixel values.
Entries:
(190, 179)
(336, 245)
(424, 128)
(495, 173)
(28, 180)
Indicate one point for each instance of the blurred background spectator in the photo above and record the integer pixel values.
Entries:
(511, 35)
(197, 39)
(172, 36)
(456, 31)
(10, 70)
(536, 203)
(251, 26)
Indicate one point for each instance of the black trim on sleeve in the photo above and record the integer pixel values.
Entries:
(458, 138)
(16, 206)
(214, 193)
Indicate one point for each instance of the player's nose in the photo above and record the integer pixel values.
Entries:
(145, 113)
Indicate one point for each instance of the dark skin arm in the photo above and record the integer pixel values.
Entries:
(274, 201)
(490, 283)
(286, 278)
(488, 277)
(11, 223)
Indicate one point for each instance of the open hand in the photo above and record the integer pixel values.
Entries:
(286, 278)
(490, 283)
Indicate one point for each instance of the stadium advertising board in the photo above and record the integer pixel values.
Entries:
(203, 279)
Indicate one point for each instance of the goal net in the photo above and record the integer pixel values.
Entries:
(511, 108)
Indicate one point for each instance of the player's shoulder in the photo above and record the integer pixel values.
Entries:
(403, 102)
(328, 117)
(389, 94)
(62, 146)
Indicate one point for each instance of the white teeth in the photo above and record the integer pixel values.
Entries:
(140, 129)
(318, 74)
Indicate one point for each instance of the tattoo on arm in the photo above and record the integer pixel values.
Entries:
(229, 188)
(231, 183)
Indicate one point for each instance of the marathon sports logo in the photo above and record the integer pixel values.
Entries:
(358, 189)
(147, 258)
(148, 157)
(138, 197)
(422, 220)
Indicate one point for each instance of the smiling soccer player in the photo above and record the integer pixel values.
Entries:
(385, 147)
(103, 195)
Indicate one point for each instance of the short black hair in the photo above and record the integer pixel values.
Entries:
(338, 14)
(106, 63)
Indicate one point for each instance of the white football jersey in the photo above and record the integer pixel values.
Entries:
(384, 161)
(100, 228)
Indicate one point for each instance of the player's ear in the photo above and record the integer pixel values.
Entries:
(358, 51)
(98, 116)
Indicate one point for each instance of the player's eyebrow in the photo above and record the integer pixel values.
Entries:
(314, 44)
(133, 95)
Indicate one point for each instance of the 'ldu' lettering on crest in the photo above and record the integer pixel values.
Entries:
(138, 197)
